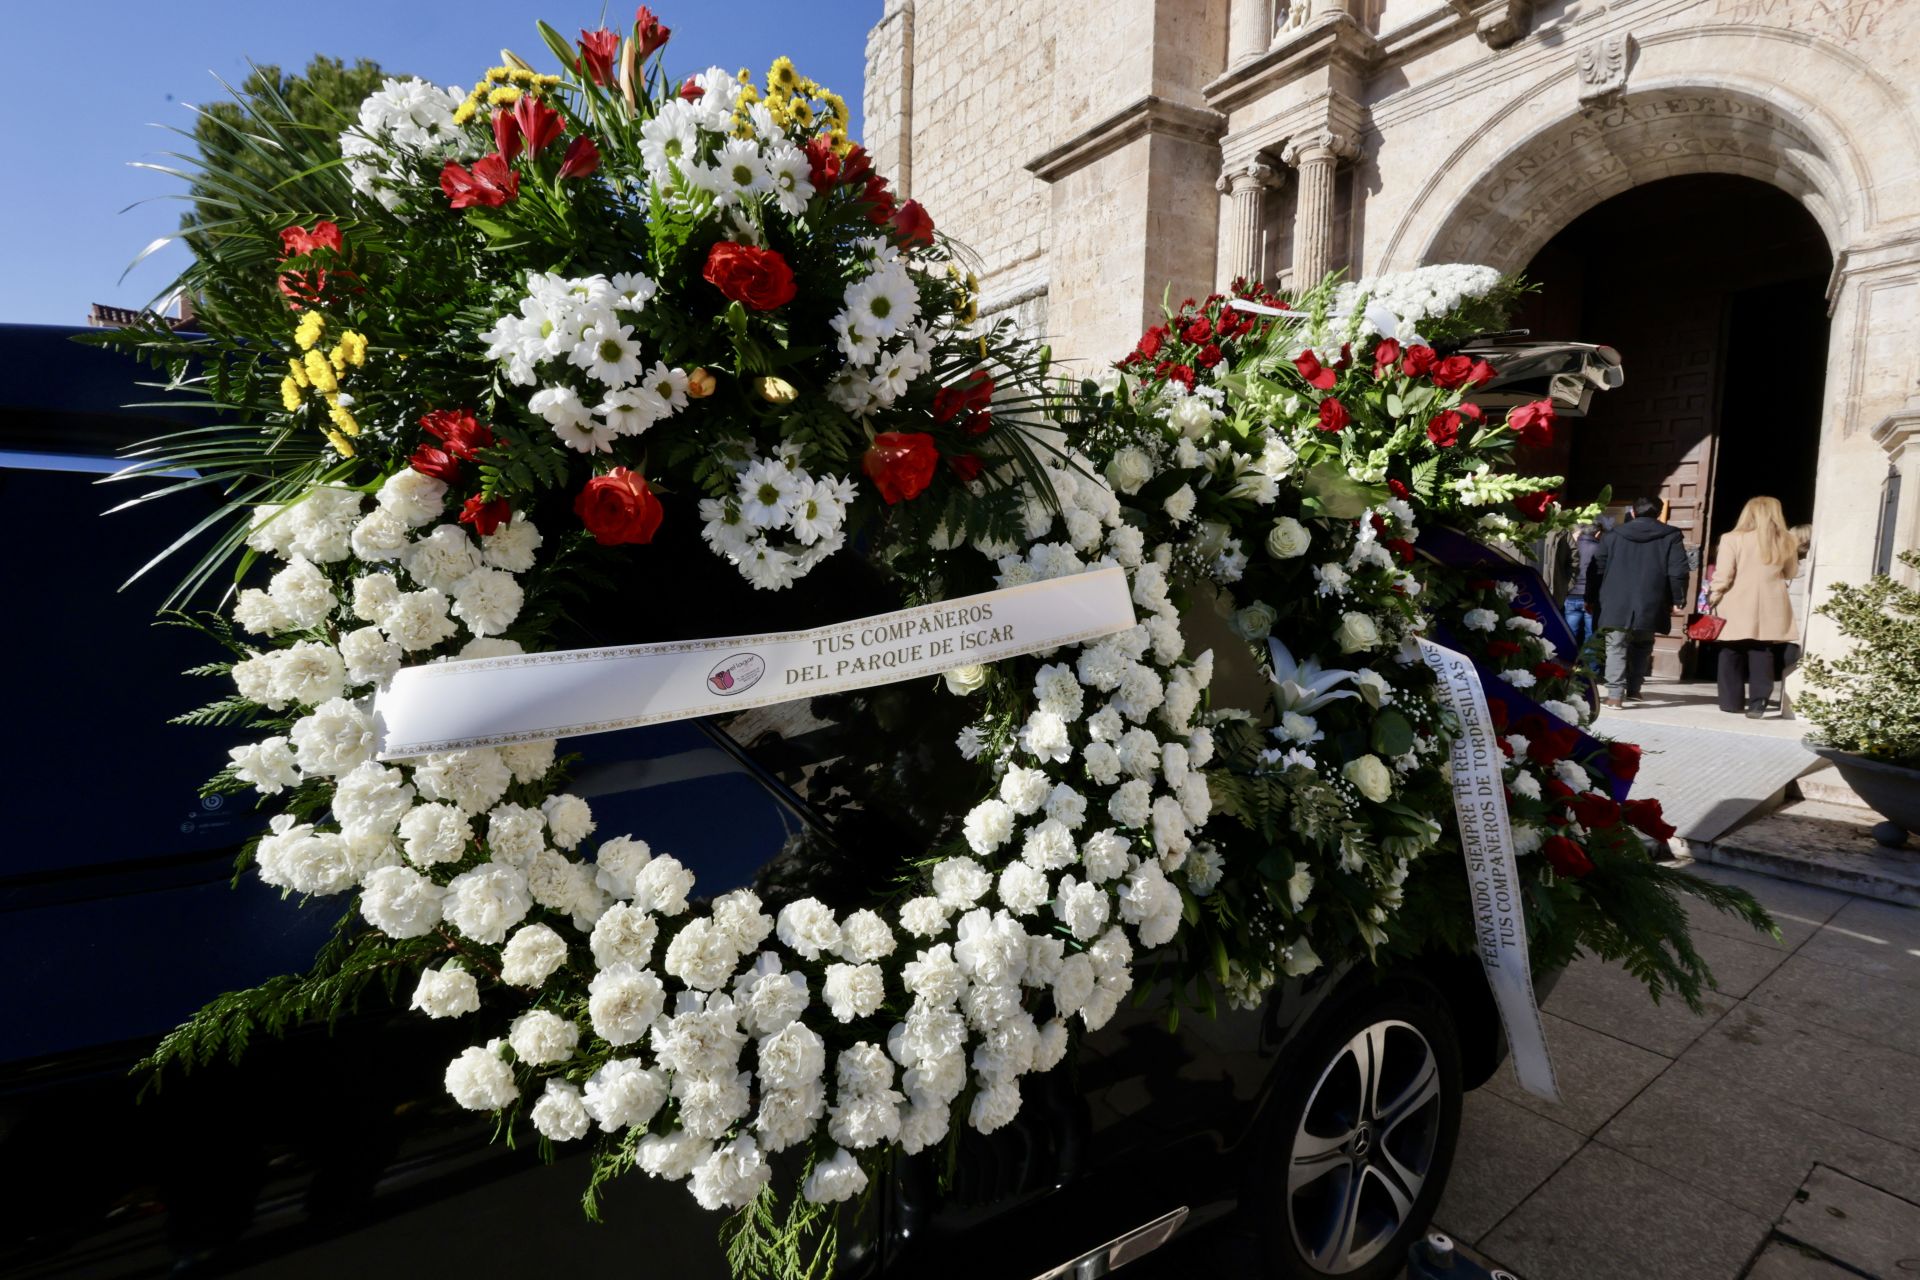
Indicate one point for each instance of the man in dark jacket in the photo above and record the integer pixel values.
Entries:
(1639, 574)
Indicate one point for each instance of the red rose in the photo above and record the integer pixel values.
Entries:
(598, 49)
(968, 401)
(964, 465)
(464, 437)
(900, 464)
(1646, 815)
(1333, 415)
(1566, 857)
(745, 273)
(489, 184)
(1532, 424)
(485, 516)
(1199, 331)
(1417, 361)
(1209, 356)
(1534, 505)
(437, 463)
(1594, 811)
(539, 123)
(618, 507)
(1480, 375)
(1452, 372)
(648, 30)
(913, 226)
(582, 158)
(1385, 356)
(1150, 341)
(1625, 759)
(1444, 429)
(1471, 411)
(1317, 375)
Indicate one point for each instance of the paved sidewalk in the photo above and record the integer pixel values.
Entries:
(1774, 1137)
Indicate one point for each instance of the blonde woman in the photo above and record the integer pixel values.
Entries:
(1750, 576)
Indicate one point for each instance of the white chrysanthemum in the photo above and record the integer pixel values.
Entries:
(267, 766)
(790, 177)
(883, 304)
(474, 779)
(447, 992)
(486, 902)
(400, 902)
(334, 739)
(480, 1079)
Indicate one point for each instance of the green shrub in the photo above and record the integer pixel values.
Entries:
(1868, 701)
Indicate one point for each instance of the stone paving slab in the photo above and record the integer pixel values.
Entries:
(1504, 1152)
(1872, 937)
(1783, 1261)
(1859, 1004)
(1598, 1075)
(1857, 1225)
(1798, 909)
(1604, 997)
(1606, 1215)
(1716, 1133)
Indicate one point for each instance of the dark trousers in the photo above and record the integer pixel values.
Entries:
(1746, 675)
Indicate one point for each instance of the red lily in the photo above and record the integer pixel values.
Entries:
(539, 123)
(489, 184)
(598, 49)
(582, 158)
(648, 30)
(485, 516)
(463, 434)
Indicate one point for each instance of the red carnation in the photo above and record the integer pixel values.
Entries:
(1333, 415)
(1534, 506)
(1624, 757)
(1595, 811)
(1418, 361)
(648, 30)
(1566, 857)
(913, 226)
(1444, 429)
(618, 507)
(1497, 712)
(598, 49)
(1209, 356)
(1385, 356)
(1316, 374)
(1502, 648)
(463, 435)
(1559, 791)
(1532, 424)
(745, 273)
(1180, 373)
(539, 123)
(1549, 670)
(437, 463)
(1399, 490)
(489, 184)
(1646, 815)
(1452, 372)
(1150, 341)
(485, 516)
(1400, 547)
(900, 464)
(968, 400)
(581, 159)
(1199, 331)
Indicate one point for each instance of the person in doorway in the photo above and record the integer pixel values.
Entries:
(1750, 576)
(1639, 576)
(1573, 606)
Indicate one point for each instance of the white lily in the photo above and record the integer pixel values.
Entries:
(1304, 686)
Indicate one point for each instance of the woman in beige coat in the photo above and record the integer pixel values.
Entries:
(1750, 576)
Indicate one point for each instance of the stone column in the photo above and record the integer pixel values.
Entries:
(1247, 184)
(1315, 158)
(1250, 30)
(1899, 434)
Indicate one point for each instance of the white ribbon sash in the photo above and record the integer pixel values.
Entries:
(447, 706)
(1486, 838)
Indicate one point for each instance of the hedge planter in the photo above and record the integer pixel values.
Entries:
(1890, 790)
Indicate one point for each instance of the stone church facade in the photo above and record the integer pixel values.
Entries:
(1726, 190)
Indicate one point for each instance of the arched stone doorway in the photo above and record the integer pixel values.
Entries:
(1712, 287)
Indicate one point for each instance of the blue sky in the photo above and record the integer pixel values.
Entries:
(99, 76)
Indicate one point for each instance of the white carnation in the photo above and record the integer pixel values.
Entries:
(662, 886)
(480, 1079)
(267, 765)
(371, 799)
(442, 558)
(400, 902)
(864, 936)
(541, 1037)
(569, 820)
(487, 600)
(835, 1180)
(531, 956)
(559, 1114)
(333, 740)
(370, 657)
(487, 901)
(418, 619)
(309, 673)
(988, 824)
(435, 833)
(808, 929)
(446, 992)
(624, 934)
(624, 1002)
(853, 990)
(474, 779)
(303, 594)
(624, 1093)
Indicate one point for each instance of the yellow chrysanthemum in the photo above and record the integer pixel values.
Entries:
(343, 419)
(781, 75)
(466, 111)
(297, 371)
(353, 346)
(341, 444)
(308, 331)
(320, 373)
(802, 112)
(503, 97)
(289, 394)
(497, 74)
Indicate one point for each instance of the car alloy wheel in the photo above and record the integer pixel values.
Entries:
(1364, 1147)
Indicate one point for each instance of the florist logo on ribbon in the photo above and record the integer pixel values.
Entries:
(736, 673)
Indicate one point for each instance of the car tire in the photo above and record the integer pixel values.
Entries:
(1371, 1100)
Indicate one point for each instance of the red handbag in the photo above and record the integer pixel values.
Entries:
(1706, 628)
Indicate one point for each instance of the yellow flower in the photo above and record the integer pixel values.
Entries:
(353, 348)
(289, 394)
(308, 331)
(803, 113)
(503, 97)
(836, 108)
(781, 74)
(298, 372)
(466, 111)
(342, 445)
(343, 419)
(320, 373)
(496, 74)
